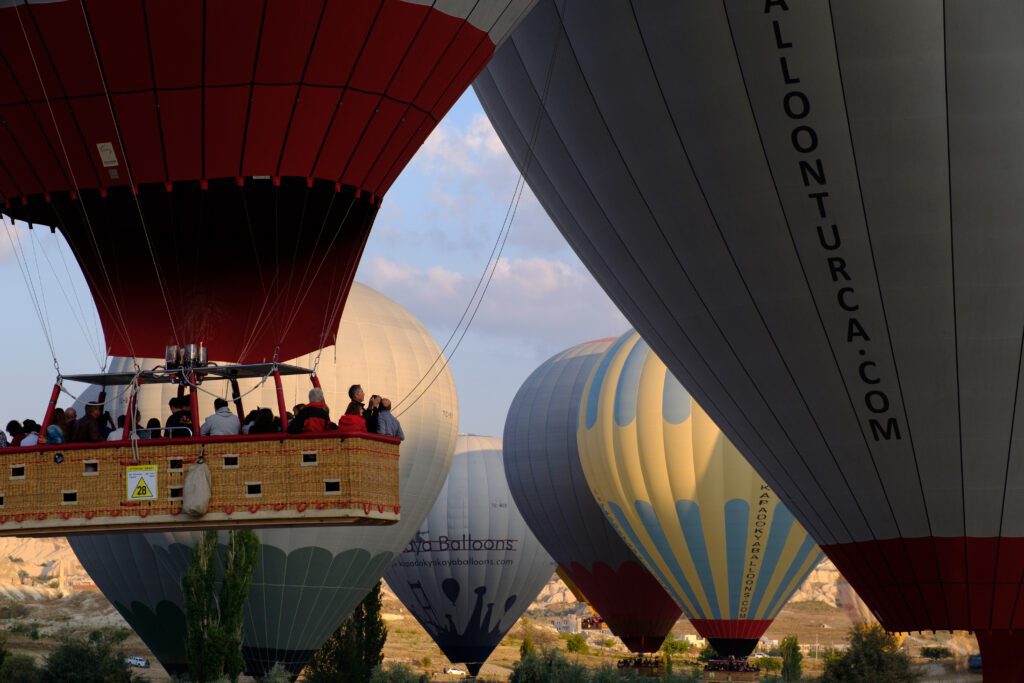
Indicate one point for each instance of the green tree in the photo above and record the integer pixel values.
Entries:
(792, 658)
(707, 652)
(873, 655)
(549, 666)
(77, 660)
(675, 646)
(527, 647)
(355, 649)
(936, 652)
(213, 640)
(20, 669)
(394, 673)
(577, 643)
(278, 674)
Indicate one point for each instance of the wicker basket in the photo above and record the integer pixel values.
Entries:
(257, 481)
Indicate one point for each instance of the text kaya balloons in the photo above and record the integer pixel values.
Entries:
(704, 522)
(216, 167)
(544, 474)
(811, 211)
(473, 567)
(308, 578)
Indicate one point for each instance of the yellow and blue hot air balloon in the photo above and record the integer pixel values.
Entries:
(691, 507)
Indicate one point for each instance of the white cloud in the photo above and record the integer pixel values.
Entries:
(465, 151)
(538, 300)
(464, 182)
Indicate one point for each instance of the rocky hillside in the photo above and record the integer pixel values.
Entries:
(39, 568)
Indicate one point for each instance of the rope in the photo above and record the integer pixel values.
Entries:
(30, 286)
(131, 179)
(77, 309)
(74, 182)
(499, 247)
(447, 360)
(79, 399)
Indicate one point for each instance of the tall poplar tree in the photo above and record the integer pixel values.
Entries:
(214, 619)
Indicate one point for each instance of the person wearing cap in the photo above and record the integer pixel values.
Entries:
(222, 423)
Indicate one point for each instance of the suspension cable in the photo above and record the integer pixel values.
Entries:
(22, 260)
(488, 273)
(77, 309)
(74, 182)
(128, 169)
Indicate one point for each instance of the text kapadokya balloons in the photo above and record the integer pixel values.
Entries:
(810, 211)
(544, 474)
(308, 578)
(473, 567)
(216, 167)
(703, 521)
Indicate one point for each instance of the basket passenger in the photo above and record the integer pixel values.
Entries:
(222, 423)
(315, 416)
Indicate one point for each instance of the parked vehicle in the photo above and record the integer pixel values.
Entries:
(137, 662)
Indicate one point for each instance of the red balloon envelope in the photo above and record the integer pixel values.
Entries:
(216, 166)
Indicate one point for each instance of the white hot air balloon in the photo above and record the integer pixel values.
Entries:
(309, 578)
(473, 566)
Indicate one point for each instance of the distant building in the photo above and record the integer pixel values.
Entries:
(567, 624)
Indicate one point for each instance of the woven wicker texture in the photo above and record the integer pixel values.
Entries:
(256, 482)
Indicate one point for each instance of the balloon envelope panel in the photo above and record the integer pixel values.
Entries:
(711, 529)
(473, 567)
(308, 578)
(546, 479)
(807, 210)
(225, 148)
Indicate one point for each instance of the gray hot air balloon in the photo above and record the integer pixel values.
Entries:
(308, 578)
(473, 566)
(542, 463)
(811, 211)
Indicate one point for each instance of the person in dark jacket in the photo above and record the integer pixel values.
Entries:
(355, 396)
(17, 433)
(87, 427)
(153, 430)
(264, 423)
(371, 414)
(181, 416)
(315, 416)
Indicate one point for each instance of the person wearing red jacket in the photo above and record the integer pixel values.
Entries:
(314, 417)
(352, 421)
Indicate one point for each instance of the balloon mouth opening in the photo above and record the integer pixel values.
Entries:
(739, 648)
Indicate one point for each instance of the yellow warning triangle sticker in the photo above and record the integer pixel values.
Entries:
(141, 490)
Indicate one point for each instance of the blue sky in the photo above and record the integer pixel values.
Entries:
(427, 250)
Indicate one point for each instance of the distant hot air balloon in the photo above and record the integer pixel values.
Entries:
(702, 520)
(544, 474)
(811, 211)
(473, 566)
(308, 578)
(851, 604)
(216, 167)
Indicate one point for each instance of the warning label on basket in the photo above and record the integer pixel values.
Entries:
(141, 481)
